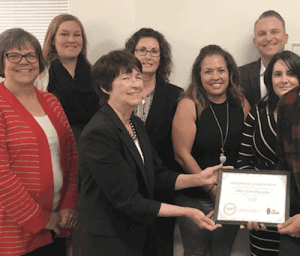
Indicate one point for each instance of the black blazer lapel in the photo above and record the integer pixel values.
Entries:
(125, 137)
(254, 75)
(146, 148)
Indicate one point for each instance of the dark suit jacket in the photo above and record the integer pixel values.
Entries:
(250, 81)
(116, 210)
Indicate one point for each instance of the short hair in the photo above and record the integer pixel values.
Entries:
(292, 61)
(196, 91)
(165, 65)
(19, 38)
(269, 14)
(108, 67)
(49, 50)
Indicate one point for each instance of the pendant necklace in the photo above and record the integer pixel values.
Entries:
(223, 140)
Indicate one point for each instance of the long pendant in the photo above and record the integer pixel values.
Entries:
(222, 158)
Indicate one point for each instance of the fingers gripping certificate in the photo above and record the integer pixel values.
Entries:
(250, 195)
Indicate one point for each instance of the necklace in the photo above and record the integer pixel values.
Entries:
(134, 136)
(223, 140)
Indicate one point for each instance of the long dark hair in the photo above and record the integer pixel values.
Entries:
(292, 61)
(196, 91)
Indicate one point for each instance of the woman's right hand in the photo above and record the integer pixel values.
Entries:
(209, 176)
(54, 222)
(202, 220)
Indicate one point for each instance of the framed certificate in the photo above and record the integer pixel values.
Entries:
(250, 195)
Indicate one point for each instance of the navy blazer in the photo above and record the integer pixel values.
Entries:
(250, 81)
(115, 209)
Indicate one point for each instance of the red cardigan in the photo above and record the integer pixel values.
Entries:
(26, 176)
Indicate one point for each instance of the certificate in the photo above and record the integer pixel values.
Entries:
(250, 195)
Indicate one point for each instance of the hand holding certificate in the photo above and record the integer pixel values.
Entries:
(250, 195)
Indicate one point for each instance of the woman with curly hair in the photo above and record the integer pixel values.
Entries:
(207, 129)
(157, 111)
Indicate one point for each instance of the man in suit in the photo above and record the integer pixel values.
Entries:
(269, 38)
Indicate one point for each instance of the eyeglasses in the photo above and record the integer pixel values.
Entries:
(17, 57)
(144, 52)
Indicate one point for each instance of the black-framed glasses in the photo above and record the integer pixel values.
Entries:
(17, 57)
(143, 52)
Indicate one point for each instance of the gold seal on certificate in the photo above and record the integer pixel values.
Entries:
(250, 195)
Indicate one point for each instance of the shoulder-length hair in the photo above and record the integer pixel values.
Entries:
(108, 67)
(196, 91)
(165, 66)
(292, 61)
(49, 50)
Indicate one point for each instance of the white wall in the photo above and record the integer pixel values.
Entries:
(187, 25)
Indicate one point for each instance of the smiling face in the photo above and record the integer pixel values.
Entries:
(215, 77)
(150, 64)
(270, 37)
(126, 90)
(68, 40)
(283, 79)
(22, 73)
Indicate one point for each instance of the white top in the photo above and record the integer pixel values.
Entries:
(54, 145)
(42, 81)
(263, 88)
(137, 144)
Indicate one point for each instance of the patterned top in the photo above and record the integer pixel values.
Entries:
(288, 150)
(258, 144)
(26, 176)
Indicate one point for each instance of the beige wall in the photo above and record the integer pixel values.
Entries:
(187, 25)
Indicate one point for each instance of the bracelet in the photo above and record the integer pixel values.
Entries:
(211, 188)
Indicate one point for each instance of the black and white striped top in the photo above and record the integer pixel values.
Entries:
(257, 151)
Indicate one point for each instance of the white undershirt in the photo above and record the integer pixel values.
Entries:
(263, 88)
(137, 144)
(53, 141)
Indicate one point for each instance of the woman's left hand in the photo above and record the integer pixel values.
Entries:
(291, 226)
(68, 218)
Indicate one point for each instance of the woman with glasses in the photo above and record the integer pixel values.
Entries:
(69, 72)
(38, 159)
(156, 111)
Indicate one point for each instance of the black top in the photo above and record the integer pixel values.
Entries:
(159, 121)
(207, 145)
(77, 96)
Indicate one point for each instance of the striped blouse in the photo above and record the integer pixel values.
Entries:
(257, 151)
(26, 176)
(258, 144)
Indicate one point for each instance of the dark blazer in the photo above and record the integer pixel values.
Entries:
(250, 81)
(159, 130)
(159, 120)
(116, 210)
